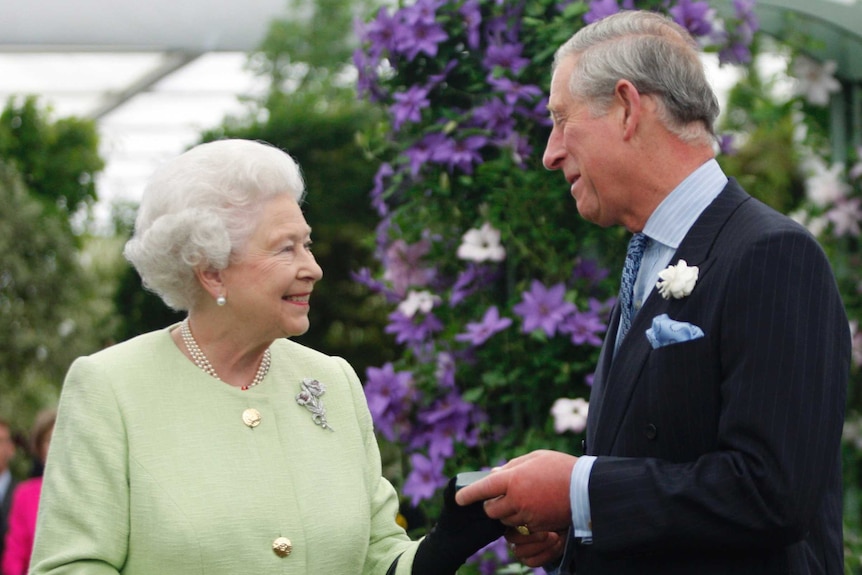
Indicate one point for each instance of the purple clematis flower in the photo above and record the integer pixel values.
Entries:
(424, 11)
(472, 279)
(583, 328)
(390, 394)
(445, 371)
(443, 423)
(514, 91)
(408, 106)
(600, 9)
(544, 308)
(479, 332)
(495, 116)
(506, 56)
(404, 265)
(693, 16)
(384, 172)
(738, 50)
(490, 566)
(382, 33)
(412, 330)
(421, 37)
(726, 145)
(589, 270)
(367, 78)
(425, 478)
(420, 153)
(473, 20)
(460, 154)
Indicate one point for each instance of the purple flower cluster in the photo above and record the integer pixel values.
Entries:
(389, 393)
(480, 332)
(601, 8)
(431, 441)
(734, 35)
(693, 16)
(546, 309)
(739, 33)
(395, 40)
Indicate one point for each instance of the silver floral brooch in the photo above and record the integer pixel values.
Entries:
(309, 397)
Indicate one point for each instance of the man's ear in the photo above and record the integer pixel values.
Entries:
(630, 105)
(211, 280)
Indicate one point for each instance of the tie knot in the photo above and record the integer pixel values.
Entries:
(637, 244)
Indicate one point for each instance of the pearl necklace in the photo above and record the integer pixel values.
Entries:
(204, 364)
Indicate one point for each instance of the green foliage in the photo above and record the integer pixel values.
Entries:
(52, 300)
(55, 286)
(313, 42)
(58, 161)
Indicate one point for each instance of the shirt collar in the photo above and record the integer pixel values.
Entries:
(675, 215)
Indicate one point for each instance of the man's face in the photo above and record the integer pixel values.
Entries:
(584, 147)
(7, 448)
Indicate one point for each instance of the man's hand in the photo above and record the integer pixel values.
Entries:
(536, 549)
(531, 490)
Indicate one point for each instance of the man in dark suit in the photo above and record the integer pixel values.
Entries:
(714, 428)
(7, 482)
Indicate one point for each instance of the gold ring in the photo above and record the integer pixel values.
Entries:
(522, 529)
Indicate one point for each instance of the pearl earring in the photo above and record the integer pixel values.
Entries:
(221, 300)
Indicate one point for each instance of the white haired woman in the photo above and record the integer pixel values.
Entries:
(218, 445)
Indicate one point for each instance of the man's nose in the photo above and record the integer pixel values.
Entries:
(554, 150)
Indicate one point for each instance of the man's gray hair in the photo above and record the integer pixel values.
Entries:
(655, 54)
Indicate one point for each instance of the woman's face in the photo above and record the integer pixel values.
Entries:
(268, 286)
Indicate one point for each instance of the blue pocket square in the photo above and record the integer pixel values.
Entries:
(665, 331)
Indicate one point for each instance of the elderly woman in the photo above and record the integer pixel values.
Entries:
(218, 445)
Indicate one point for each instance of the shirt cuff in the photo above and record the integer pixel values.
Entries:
(579, 495)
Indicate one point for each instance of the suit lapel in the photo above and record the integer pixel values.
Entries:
(616, 378)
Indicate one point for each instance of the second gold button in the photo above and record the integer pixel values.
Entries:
(251, 417)
(282, 546)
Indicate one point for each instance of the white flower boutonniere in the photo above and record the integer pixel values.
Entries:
(677, 281)
(309, 397)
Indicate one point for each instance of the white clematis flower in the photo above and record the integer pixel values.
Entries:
(677, 281)
(417, 301)
(815, 81)
(481, 245)
(570, 414)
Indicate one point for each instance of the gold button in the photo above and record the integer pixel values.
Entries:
(282, 546)
(251, 417)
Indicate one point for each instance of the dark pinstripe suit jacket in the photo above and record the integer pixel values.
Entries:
(722, 454)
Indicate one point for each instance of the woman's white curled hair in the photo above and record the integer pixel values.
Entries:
(199, 210)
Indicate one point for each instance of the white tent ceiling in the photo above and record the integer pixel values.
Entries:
(153, 74)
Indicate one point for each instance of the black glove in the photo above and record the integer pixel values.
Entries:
(460, 532)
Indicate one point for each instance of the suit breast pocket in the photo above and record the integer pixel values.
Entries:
(680, 387)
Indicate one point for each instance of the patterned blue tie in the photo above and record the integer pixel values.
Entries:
(634, 255)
